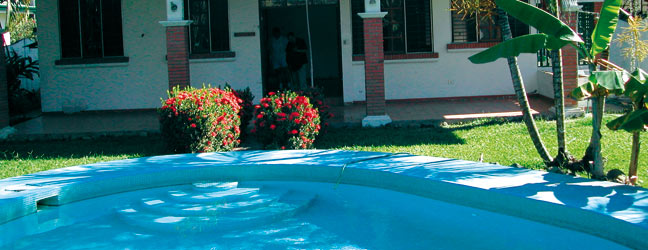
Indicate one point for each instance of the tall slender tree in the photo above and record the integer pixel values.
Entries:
(520, 92)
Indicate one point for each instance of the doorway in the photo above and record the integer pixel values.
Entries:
(326, 57)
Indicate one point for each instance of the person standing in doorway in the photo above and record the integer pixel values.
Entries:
(297, 59)
(278, 44)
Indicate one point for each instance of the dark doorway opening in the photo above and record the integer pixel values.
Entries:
(290, 16)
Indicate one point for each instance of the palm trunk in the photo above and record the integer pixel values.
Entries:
(559, 93)
(518, 85)
(559, 99)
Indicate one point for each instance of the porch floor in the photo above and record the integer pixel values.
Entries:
(445, 110)
(146, 121)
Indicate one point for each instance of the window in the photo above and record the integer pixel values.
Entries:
(586, 26)
(91, 28)
(482, 30)
(407, 27)
(209, 31)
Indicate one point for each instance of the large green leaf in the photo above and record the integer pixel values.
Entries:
(514, 47)
(637, 88)
(632, 122)
(540, 19)
(612, 80)
(583, 91)
(605, 26)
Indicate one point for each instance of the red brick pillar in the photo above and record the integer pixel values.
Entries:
(570, 61)
(374, 58)
(177, 40)
(4, 99)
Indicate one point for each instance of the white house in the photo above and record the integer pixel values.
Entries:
(125, 54)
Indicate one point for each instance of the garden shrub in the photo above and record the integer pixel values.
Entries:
(247, 108)
(200, 120)
(316, 97)
(286, 120)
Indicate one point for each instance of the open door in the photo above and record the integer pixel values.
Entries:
(325, 50)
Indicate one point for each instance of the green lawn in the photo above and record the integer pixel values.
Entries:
(500, 141)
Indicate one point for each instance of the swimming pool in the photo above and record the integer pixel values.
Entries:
(318, 200)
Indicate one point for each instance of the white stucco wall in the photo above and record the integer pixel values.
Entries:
(450, 75)
(245, 69)
(138, 84)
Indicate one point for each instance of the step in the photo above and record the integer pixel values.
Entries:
(229, 195)
(167, 207)
(214, 186)
(254, 218)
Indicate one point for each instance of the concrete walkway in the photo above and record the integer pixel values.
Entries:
(57, 125)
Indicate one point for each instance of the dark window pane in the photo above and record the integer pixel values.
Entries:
(112, 28)
(219, 25)
(199, 29)
(69, 23)
(586, 25)
(463, 29)
(91, 28)
(357, 26)
(393, 26)
(419, 26)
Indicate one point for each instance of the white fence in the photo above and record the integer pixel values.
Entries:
(22, 48)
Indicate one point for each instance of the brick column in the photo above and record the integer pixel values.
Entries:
(374, 69)
(570, 61)
(177, 41)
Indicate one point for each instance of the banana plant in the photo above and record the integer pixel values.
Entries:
(554, 34)
(601, 82)
(558, 36)
(635, 121)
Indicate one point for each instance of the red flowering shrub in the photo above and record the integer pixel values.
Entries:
(200, 120)
(316, 97)
(286, 120)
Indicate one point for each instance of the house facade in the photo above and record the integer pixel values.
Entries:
(125, 54)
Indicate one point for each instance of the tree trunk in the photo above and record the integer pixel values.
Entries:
(634, 158)
(520, 92)
(559, 99)
(598, 108)
(559, 92)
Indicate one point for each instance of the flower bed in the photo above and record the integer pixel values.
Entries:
(286, 120)
(200, 120)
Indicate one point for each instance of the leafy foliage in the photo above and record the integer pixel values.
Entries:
(286, 120)
(543, 21)
(631, 38)
(247, 108)
(22, 27)
(21, 100)
(602, 83)
(469, 8)
(637, 90)
(200, 120)
(605, 26)
(514, 47)
(18, 20)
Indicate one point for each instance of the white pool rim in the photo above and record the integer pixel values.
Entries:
(608, 210)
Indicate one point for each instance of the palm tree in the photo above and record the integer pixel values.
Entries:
(520, 92)
(559, 95)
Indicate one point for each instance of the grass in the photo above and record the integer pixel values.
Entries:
(502, 142)
(19, 158)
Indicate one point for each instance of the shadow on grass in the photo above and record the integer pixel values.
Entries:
(108, 146)
(401, 136)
